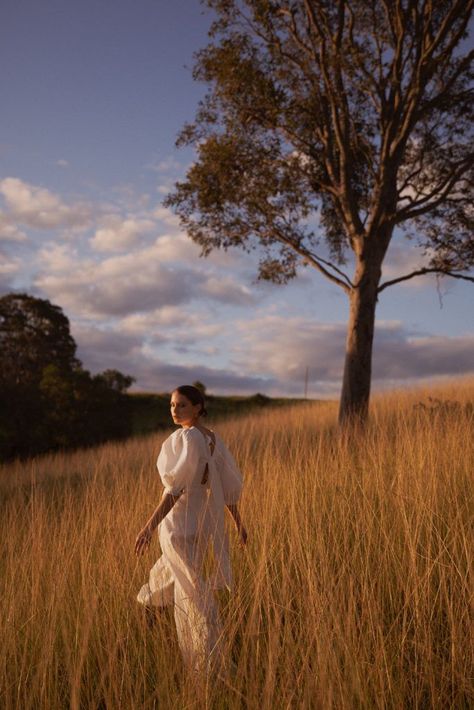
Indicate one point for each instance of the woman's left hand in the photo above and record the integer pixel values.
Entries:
(142, 542)
(242, 532)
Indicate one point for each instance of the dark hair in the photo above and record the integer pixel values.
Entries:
(194, 395)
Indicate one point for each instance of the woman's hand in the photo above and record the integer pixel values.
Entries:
(242, 532)
(142, 543)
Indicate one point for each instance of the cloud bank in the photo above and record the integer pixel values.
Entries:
(38, 208)
(141, 300)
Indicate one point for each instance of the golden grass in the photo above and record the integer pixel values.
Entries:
(355, 590)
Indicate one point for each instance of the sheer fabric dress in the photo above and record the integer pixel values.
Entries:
(204, 472)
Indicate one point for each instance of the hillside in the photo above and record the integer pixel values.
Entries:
(354, 591)
(151, 412)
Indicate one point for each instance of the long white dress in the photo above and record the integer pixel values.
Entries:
(208, 481)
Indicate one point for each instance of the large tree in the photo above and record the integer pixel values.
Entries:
(34, 333)
(335, 122)
(47, 399)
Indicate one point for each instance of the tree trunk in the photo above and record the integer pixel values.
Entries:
(354, 403)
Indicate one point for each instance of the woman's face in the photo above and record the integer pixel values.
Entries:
(183, 411)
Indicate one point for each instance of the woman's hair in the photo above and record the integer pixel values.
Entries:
(194, 395)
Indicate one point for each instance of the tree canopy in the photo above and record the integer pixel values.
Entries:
(34, 333)
(327, 125)
(47, 399)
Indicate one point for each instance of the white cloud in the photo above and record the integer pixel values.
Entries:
(282, 349)
(9, 265)
(271, 354)
(176, 247)
(100, 349)
(182, 325)
(9, 268)
(61, 163)
(39, 208)
(158, 376)
(167, 317)
(166, 165)
(124, 284)
(62, 259)
(118, 233)
(404, 258)
(400, 355)
(285, 347)
(117, 288)
(167, 216)
(165, 188)
(129, 200)
(9, 232)
(227, 290)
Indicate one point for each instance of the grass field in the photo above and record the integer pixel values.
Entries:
(355, 590)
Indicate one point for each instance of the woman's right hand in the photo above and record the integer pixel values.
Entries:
(142, 542)
(242, 532)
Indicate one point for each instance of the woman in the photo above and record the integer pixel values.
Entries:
(201, 479)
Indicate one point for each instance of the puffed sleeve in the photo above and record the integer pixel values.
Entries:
(179, 461)
(231, 478)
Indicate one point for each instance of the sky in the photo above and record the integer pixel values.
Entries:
(94, 94)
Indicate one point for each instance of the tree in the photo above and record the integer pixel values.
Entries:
(116, 381)
(335, 119)
(200, 386)
(34, 333)
(47, 399)
(34, 336)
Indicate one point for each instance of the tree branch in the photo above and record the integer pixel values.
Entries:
(461, 6)
(421, 272)
(436, 197)
(313, 261)
(336, 95)
(335, 268)
(316, 262)
(438, 99)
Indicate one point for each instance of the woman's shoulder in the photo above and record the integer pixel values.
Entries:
(182, 435)
(180, 432)
(193, 434)
(174, 444)
(175, 439)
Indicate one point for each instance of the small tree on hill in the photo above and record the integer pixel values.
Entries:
(116, 380)
(354, 114)
(34, 334)
(200, 386)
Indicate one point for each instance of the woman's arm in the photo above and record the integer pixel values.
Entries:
(144, 536)
(234, 511)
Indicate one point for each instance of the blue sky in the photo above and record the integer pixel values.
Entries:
(93, 96)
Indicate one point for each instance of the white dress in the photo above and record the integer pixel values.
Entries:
(207, 481)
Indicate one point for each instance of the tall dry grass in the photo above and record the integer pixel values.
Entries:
(355, 590)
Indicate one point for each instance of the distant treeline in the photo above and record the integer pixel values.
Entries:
(151, 412)
(47, 399)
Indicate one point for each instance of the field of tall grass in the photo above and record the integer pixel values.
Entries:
(355, 590)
